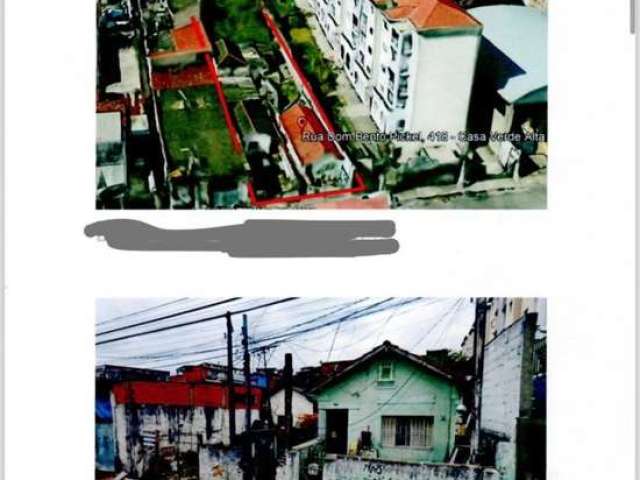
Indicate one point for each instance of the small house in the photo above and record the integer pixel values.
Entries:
(389, 404)
(316, 154)
(302, 407)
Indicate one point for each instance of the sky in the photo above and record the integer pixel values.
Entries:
(314, 330)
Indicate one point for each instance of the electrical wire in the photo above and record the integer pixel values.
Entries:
(166, 317)
(193, 322)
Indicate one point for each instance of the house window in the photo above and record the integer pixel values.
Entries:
(385, 372)
(413, 432)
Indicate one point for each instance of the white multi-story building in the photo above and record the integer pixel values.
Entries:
(412, 62)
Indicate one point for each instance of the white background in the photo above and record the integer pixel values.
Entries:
(579, 253)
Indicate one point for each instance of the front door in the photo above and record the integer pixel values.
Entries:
(336, 432)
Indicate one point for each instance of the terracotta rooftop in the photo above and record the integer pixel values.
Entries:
(428, 14)
(300, 119)
(188, 39)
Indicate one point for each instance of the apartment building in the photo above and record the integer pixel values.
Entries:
(412, 62)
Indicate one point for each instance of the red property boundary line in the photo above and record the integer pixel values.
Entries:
(213, 71)
(284, 45)
(360, 187)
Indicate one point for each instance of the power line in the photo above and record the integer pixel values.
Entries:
(282, 336)
(194, 322)
(165, 345)
(144, 310)
(166, 317)
(277, 339)
(447, 314)
(286, 332)
(349, 317)
(190, 350)
(333, 342)
(446, 326)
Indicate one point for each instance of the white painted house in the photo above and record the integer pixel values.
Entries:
(412, 62)
(301, 406)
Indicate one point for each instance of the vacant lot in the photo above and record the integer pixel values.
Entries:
(192, 120)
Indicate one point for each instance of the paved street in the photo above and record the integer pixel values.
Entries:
(529, 193)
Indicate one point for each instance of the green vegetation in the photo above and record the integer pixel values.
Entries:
(237, 20)
(177, 5)
(198, 125)
(319, 70)
(289, 90)
(235, 93)
(301, 35)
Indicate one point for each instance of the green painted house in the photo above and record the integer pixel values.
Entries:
(389, 404)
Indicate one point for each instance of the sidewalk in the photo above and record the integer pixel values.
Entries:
(529, 192)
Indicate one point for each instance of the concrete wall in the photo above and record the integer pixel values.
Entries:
(507, 389)
(218, 464)
(414, 392)
(357, 469)
(141, 431)
(290, 469)
(441, 75)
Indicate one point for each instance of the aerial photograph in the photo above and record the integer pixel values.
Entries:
(330, 104)
(321, 388)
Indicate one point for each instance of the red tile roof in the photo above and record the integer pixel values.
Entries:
(300, 119)
(188, 39)
(427, 14)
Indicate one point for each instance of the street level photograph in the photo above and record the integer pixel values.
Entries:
(321, 104)
(320, 388)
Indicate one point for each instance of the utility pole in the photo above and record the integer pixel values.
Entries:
(288, 397)
(230, 384)
(267, 404)
(248, 457)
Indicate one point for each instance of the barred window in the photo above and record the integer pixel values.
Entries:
(415, 432)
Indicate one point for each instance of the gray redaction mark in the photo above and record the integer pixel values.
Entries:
(256, 238)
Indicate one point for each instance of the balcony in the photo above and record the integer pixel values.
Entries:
(386, 104)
